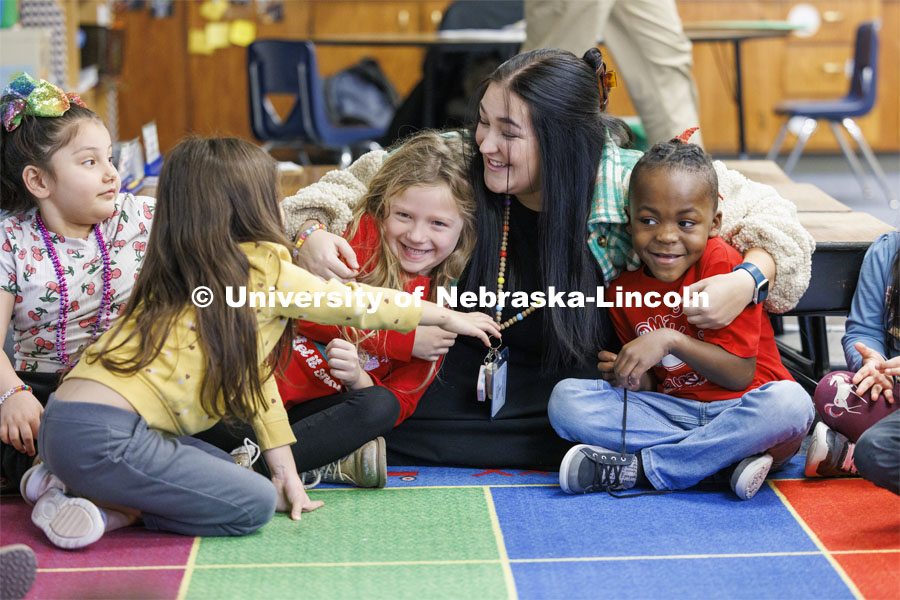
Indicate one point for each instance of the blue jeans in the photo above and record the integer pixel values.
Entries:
(181, 485)
(682, 441)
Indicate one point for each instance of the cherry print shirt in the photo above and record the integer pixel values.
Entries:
(26, 272)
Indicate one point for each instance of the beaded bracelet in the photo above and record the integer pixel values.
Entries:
(306, 233)
(18, 388)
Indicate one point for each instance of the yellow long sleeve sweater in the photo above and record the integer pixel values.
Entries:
(167, 392)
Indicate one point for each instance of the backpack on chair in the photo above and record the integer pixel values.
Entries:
(361, 95)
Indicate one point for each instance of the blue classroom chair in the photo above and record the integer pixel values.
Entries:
(857, 103)
(288, 67)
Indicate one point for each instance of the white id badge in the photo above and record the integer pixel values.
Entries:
(497, 389)
(479, 386)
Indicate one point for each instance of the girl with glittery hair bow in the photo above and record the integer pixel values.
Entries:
(70, 249)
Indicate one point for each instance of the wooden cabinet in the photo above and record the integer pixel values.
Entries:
(791, 68)
(211, 90)
(207, 95)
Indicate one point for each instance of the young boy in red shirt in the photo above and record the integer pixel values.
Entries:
(699, 400)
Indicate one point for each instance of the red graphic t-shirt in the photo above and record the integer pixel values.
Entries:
(386, 356)
(750, 334)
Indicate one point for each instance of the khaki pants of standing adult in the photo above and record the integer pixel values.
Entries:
(646, 39)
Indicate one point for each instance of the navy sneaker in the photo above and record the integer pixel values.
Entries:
(585, 469)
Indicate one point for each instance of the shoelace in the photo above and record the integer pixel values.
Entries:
(332, 471)
(606, 477)
(250, 449)
(315, 474)
(615, 471)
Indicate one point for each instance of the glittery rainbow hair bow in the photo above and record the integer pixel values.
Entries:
(26, 96)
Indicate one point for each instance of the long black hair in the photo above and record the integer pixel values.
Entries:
(564, 96)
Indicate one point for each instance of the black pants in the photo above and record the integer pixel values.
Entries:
(13, 463)
(327, 428)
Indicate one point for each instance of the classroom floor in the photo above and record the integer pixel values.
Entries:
(462, 533)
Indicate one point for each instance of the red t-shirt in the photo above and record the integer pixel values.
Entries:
(386, 356)
(750, 334)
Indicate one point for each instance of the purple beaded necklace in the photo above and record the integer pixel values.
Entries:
(105, 302)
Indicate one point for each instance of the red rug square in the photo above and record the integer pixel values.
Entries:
(876, 575)
(846, 514)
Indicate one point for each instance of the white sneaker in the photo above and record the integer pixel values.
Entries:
(68, 522)
(750, 474)
(36, 481)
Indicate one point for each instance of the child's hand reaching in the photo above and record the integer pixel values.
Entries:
(432, 342)
(290, 494)
(890, 367)
(343, 360)
(329, 256)
(605, 365)
(870, 375)
(638, 356)
(475, 324)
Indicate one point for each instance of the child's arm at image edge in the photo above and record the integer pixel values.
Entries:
(20, 414)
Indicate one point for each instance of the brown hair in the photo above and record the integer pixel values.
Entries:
(34, 142)
(213, 195)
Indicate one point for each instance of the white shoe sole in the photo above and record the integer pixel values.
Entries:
(18, 567)
(564, 468)
(817, 451)
(68, 522)
(751, 475)
(381, 454)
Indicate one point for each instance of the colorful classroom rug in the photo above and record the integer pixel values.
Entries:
(477, 534)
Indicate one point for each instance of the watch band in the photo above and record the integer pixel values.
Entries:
(761, 292)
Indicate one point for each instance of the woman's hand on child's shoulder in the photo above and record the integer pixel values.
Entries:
(20, 418)
(432, 342)
(728, 295)
(329, 256)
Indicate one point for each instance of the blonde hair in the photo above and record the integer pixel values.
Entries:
(428, 158)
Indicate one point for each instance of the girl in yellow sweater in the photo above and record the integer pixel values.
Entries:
(209, 315)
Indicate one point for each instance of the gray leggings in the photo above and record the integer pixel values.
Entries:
(182, 485)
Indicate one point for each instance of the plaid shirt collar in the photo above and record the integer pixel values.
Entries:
(608, 240)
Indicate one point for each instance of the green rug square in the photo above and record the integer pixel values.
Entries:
(389, 525)
(390, 582)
